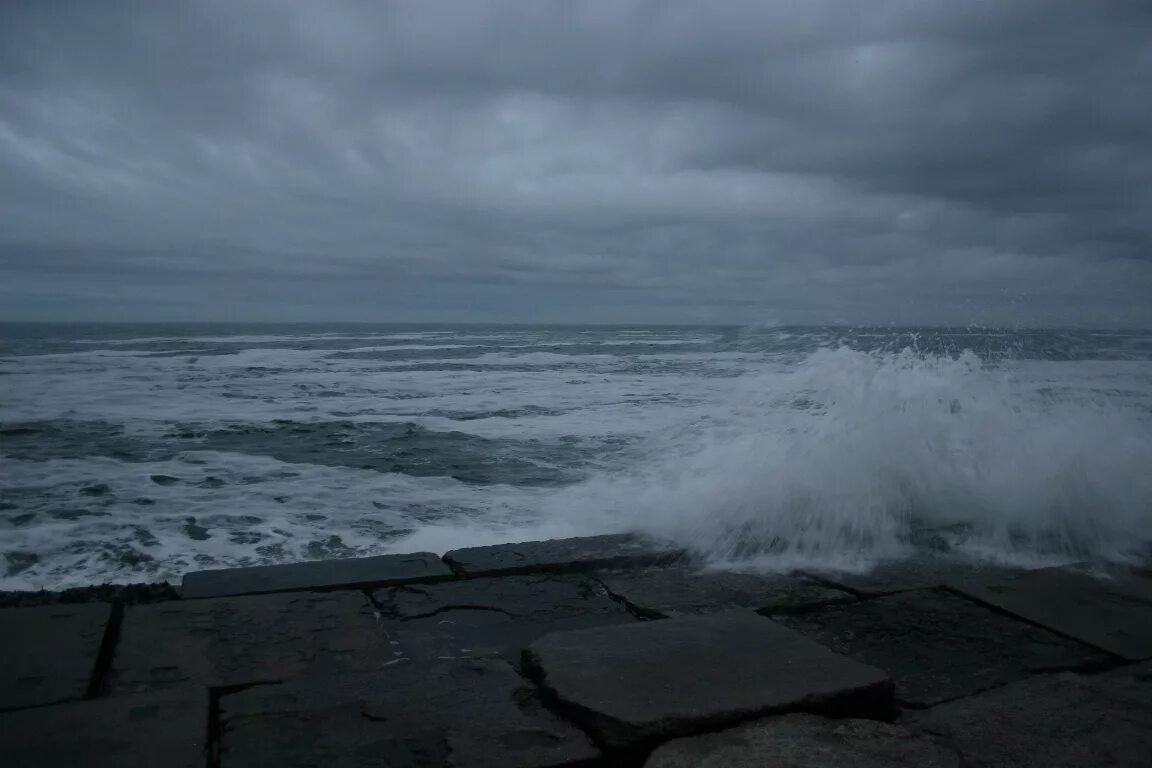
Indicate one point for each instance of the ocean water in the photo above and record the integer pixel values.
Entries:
(139, 452)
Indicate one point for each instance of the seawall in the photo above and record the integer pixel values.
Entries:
(609, 650)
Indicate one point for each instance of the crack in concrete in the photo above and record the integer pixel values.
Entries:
(215, 727)
(446, 608)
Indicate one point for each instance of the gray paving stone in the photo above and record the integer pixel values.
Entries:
(938, 646)
(162, 728)
(636, 684)
(488, 617)
(242, 640)
(913, 573)
(1112, 614)
(1051, 721)
(49, 653)
(664, 592)
(806, 741)
(320, 574)
(617, 550)
(474, 714)
(1141, 672)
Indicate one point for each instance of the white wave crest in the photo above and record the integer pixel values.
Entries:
(851, 455)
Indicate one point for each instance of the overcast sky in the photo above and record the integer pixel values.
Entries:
(752, 161)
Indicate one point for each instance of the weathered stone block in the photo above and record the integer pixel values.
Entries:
(634, 685)
(488, 617)
(1051, 721)
(162, 728)
(475, 714)
(938, 646)
(914, 573)
(618, 550)
(664, 592)
(49, 653)
(321, 574)
(806, 741)
(243, 640)
(1111, 614)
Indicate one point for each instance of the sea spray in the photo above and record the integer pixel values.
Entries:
(851, 457)
(769, 446)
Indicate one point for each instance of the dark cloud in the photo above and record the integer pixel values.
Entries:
(905, 161)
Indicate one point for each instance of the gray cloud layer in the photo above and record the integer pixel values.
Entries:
(906, 161)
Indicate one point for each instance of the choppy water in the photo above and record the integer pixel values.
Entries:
(139, 452)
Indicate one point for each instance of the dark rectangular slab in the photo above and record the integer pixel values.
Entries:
(1114, 615)
(476, 714)
(677, 591)
(905, 575)
(490, 617)
(163, 728)
(231, 641)
(1051, 721)
(807, 741)
(634, 685)
(48, 654)
(320, 574)
(939, 646)
(617, 550)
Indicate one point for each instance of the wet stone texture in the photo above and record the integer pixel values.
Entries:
(939, 646)
(618, 550)
(474, 714)
(490, 617)
(807, 741)
(49, 653)
(1113, 614)
(1051, 721)
(160, 728)
(664, 592)
(244, 640)
(608, 651)
(321, 574)
(634, 685)
(914, 573)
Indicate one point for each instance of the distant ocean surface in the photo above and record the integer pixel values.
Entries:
(139, 452)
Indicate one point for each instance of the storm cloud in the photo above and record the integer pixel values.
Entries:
(890, 161)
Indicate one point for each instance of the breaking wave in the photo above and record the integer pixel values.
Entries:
(771, 448)
(858, 456)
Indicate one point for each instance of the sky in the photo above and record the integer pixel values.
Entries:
(983, 162)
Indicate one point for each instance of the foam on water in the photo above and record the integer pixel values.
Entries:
(99, 519)
(769, 447)
(853, 456)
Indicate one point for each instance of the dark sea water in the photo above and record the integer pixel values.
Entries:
(138, 452)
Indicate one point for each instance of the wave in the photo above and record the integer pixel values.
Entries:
(856, 456)
(776, 450)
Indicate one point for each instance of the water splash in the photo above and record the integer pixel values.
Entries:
(854, 456)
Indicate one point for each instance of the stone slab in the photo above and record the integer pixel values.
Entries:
(1114, 615)
(490, 617)
(617, 550)
(231, 641)
(1138, 672)
(49, 653)
(894, 576)
(162, 728)
(806, 741)
(633, 685)
(939, 646)
(475, 714)
(321, 574)
(666, 592)
(1050, 721)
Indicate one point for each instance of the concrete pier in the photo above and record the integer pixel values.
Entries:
(606, 651)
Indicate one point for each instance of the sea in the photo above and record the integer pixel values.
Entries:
(138, 452)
